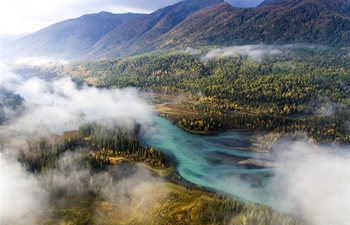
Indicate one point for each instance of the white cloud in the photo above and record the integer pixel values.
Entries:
(60, 105)
(21, 196)
(8, 79)
(56, 107)
(192, 51)
(315, 179)
(256, 52)
(37, 61)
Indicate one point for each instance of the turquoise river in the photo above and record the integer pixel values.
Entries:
(215, 162)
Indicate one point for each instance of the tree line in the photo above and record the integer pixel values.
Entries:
(276, 93)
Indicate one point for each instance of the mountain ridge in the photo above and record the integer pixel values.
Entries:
(58, 39)
(342, 6)
(150, 27)
(190, 23)
(221, 24)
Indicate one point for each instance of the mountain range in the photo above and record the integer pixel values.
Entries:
(189, 23)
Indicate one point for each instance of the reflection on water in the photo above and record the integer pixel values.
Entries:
(214, 161)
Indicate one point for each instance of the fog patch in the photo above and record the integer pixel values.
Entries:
(256, 52)
(123, 185)
(327, 110)
(61, 106)
(58, 106)
(21, 196)
(8, 79)
(325, 107)
(38, 61)
(26, 198)
(314, 181)
(129, 179)
(55, 107)
(192, 51)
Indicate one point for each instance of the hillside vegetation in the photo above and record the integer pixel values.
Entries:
(305, 91)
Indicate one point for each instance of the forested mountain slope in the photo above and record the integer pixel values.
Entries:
(292, 22)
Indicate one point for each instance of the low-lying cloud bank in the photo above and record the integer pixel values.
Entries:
(8, 79)
(52, 108)
(37, 61)
(22, 197)
(61, 106)
(315, 179)
(27, 198)
(255, 52)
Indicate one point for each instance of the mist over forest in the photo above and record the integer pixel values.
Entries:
(196, 113)
(45, 110)
(304, 172)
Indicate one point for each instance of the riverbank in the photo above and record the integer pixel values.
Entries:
(165, 106)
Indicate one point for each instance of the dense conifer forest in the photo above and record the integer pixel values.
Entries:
(306, 89)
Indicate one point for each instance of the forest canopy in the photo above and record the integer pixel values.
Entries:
(299, 88)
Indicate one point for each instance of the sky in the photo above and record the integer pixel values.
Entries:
(21, 16)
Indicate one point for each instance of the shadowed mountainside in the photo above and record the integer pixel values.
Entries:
(143, 34)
